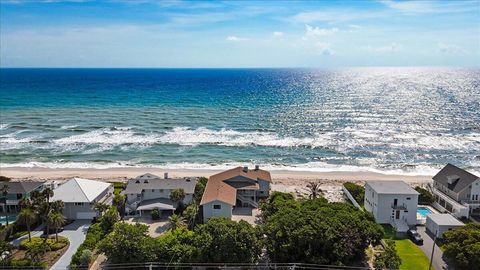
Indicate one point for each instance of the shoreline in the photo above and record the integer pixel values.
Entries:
(284, 177)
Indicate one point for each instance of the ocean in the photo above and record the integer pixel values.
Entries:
(385, 119)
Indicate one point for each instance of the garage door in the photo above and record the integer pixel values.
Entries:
(86, 215)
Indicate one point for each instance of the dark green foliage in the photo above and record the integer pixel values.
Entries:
(223, 240)
(425, 196)
(199, 189)
(357, 191)
(5, 247)
(314, 231)
(176, 246)
(4, 179)
(276, 202)
(94, 235)
(155, 214)
(389, 258)
(118, 187)
(462, 247)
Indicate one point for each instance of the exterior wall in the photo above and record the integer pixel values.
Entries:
(381, 206)
(444, 204)
(70, 211)
(209, 211)
(433, 228)
(446, 190)
(150, 194)
(475, 191)
(264, 190)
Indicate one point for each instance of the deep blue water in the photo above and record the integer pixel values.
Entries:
(402, 119)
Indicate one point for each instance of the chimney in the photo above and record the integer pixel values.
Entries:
(165, 175)
(245, 168)
(257, 167)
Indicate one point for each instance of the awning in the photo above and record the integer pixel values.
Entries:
(160, 204)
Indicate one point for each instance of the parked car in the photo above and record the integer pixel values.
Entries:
(415, 237)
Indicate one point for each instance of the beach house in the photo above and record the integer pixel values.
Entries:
(392, 202)
(79, 196)
(17, 190)
(456, 191)
(237, 187)
(148, 192)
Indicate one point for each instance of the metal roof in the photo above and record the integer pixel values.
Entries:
(444, 220)
(21, 186)
(150, 181)
(79, 190)
(391, 187)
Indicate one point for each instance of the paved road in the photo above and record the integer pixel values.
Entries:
(438, 261)
(75, 232)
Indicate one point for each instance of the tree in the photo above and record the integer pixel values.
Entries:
(86, 257)
(177, 195)
(56, 220)
(47, 193)
(155, 214)
(357, 191)
(110, 217)
(191, 214)
(176, 246)
(35, 252)
(5, 249)
(462, 247)
(100, 208)
(128, 243)
(199, 189)
(119, 202)
(43, 210)
(175, 221)
(27, 217)
(314, 190)
(4, 190)
(221, 240)
(388, 259)
(277, 201)
(425, 196)
(315, 231)
(4, 179)
(25, 202)
(57, 206)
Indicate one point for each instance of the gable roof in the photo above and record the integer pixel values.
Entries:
(21, 186)
(79, 190)
(151, 181)
(462, 179)
(218, 190)
(391, 187)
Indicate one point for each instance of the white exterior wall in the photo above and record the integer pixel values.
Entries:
(70, 211)
(381, 206)
(209, 211)
(433, 228)
(475, 191)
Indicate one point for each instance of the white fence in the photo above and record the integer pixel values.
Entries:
(350, 197)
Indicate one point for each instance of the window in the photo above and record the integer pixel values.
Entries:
(153, 190)
(79, 203)
(161, 190)
(408, 198)
(473, 197)
(476, 197)
(217, 206)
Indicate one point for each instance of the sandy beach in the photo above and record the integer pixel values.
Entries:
(280, 177)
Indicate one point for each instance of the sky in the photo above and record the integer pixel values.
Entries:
(236, 34)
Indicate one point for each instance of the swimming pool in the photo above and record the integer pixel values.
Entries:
(11, 219)
(424, 211)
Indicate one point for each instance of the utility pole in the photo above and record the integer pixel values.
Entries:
(433, 249)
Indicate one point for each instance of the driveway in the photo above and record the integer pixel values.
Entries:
(75, 232)
(36, 232)
(438, 261)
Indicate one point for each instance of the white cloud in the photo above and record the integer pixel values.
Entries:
(430, 6)
(312, 32)
(235, 38)
(450, 48)
(354, 26)
(324, 48)
(393, 47)
(277, 34)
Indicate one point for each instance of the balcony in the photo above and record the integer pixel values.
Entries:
(399, 206)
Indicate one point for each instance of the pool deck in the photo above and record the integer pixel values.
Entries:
(422, 220)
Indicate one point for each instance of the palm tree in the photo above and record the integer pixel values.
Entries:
(47, 193)
(119, 202)
(25, 202)
(191, 213)
(57, 206)
(100, 208)
(175, 221)
(4, 191)
(314, 189)
(43, 210)
(27, 217)
(56, 220)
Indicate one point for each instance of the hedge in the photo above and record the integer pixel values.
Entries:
(94, 234)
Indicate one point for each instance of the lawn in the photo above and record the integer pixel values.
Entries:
(412, 256)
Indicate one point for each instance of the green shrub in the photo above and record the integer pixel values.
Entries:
(357, 191)
(18, 235)
(155, 214)
(26, 262)
(95, 233)
(51, 242)
(425, 196)
(86, 257)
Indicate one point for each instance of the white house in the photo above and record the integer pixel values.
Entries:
(392, 202)
(437, 224)
(148, 191)
(79, 196)
(237, 187)
(456, 191)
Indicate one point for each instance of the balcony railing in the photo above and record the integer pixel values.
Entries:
(399, 206)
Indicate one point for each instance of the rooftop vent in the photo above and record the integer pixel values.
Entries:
(165, 175)
(451, 179)
(146, 181)
(138, 181)
(245, 168)
(187, 179)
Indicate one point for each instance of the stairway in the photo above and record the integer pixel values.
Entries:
(247, 200)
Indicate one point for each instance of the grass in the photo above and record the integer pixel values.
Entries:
(118, 187)
(412, 256)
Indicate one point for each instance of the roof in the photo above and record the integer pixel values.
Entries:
(79, 190)
(150, 181)
(218, 190)
(444, 220)
(161, 204)
(462, 177)
(391, 187)
(21, 186)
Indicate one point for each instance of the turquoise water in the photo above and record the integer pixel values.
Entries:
(423, 211)
(11, 219)
(405, 120)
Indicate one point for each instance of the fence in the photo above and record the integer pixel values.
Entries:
(350, 197)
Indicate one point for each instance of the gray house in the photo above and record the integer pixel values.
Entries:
(79, 196)
(148, 192)
(456, 191)
(16, 192)
(237, 187)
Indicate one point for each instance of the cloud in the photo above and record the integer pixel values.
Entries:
(312, 32)
(391, 48)
(324, 48)
(334, 15)
(430, 6)
(450, 48)
(354, 26)
(277, 34)
(235, 39)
